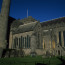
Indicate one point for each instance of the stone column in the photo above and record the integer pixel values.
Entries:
(12, 44)
(3, 24)
(57, 37)
(10, 40)
(62, 39)
(33, 43)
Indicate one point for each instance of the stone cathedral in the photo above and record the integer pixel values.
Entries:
(42, 38)
(30, 35)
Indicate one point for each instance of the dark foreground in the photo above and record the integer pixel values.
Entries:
(28, 60)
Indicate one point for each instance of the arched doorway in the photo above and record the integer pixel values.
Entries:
(58, 52)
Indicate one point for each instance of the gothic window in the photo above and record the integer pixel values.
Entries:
(43, 44)
(53, 44)
(27, 40)
(16, 42)
(19, 42)
(60, 38)
(14, 46)
(23, 42)
(64, 37)
(38, 40)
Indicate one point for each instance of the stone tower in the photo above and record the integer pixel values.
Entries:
(3, 24)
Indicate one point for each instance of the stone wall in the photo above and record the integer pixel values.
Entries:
(51, 33)
(40, 52)
(13, 53)
(27, 51)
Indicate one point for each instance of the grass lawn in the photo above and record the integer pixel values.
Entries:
(28, 60)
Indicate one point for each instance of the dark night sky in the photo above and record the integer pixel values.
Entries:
(42, 10)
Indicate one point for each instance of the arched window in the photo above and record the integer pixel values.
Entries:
(43, 44)
(14, 45)
(38, 41)
(53, 44)
(19, 42)
(23, 42)
(60, 38)
(27, 40)
(15, 42)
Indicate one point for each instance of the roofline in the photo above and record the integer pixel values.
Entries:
(52, 19)
(28, 23)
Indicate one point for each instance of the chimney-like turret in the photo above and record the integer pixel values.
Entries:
(3, 24)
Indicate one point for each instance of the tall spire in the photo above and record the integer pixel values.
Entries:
(27, 13)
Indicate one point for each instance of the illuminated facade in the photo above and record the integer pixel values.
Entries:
(39, 37)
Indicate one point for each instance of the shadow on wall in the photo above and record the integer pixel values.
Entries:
(10, 20)
(12, 53)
